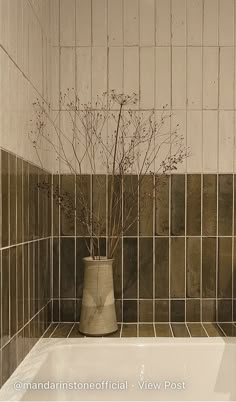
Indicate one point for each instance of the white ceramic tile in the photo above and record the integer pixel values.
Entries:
(147, 77)
(54, 22)
(194, 22)
(116, 60)
(115, 22)
(147, 22)
(179, 77)
(194, 78)
(99, 22)
(163, 77)
(35, 53)
(12, 28)
(67, 22)
(55, 62)
(131, 22)
(163, 139)
(25, 41)
(19, 49)
(226, 141)
(131, 70)
(194, 141)
(84, 67)
(83, 22)
(178, 22)
(67, 71)
(226, 98)
(67, 159)
(211, 20)
(178, 125)
(163, 23)
(4, 18)
(99, 72)
(210, 77)
(210, 141)
(226, 23)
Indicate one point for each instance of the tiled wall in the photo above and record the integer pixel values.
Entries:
(179, 53)
(24, 260)
(176, 264)
(25, 58)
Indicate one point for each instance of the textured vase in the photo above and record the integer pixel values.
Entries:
(98, 315)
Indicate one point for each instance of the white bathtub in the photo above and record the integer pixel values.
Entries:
(147, 369)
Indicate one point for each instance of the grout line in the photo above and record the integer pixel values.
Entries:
(71, 330)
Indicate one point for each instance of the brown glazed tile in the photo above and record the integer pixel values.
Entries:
(9, 360)
(145, 310)
(177, 204)
(162, 205)
(229, 329)
(1, 307)
(146, 268)
(208, 310)
(36, 278)
(67, 310)
(78, 303)
(130, 268)
(177, 310)
(197, 330)
(130, 313)
(234, 269)
(116, 334)
(162, 268)
(75, 332)
(146, 330)
(5, 296)
(129, 331)
(50, 330)
(26, 283)
(209, 213)
(20, 287)
(193, 204)
(193, 266)
(13, 306)
(20, 347)
(67, 190)
(180, 330)
(224, 310)
(82, 250)
(163, 330)
(162, 311)
(55, 216)
(224, 267)
(32, 267)
(146, 187)
(55, 284)
(25, 201)
(99, 204)
(26, 331)
(83, 197)
(55, 310)
(115, 204)
(62, 331)
(12, 166)
(118, 307)
(19, 205)
(67, 277)
(130, 207)
(32, 205)
(209, 267)
(177, 269)
(234, 310)
(5, 198)
(117, 270)
(193, 310)
(225, 207)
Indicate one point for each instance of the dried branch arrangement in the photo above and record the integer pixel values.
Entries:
(113, 135)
